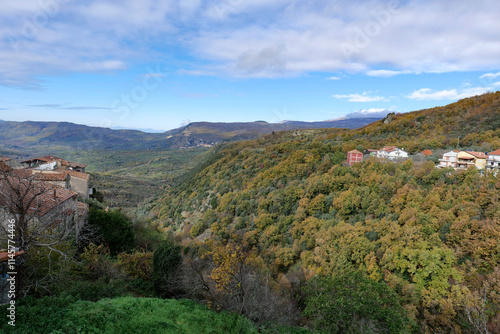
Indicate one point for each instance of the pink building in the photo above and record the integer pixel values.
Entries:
(353, 157)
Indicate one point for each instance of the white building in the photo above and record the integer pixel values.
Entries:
(391, 152)
(449, 160)
(493, 161)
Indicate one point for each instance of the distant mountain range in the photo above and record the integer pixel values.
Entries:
(63, 135)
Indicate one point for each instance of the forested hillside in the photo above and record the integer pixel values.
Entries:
(63, 136)
(429, 235)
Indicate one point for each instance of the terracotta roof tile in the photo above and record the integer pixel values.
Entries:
(50, 175)
(80, 175)
(47, 159)
(42, 197)
(77, 165)
(479, 155)
(497, 152)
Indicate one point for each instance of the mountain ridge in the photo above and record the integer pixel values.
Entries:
(33, 134)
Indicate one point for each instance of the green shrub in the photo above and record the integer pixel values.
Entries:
(352, 303)
(166, 260)
(114, 228)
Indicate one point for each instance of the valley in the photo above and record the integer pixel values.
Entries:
(276, 217)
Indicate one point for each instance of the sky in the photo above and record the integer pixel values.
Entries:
(160, 64)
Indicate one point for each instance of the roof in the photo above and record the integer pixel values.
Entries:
(4, 256)
(77, 165)
(80, 175)
(388, 148)
(42, 197)
(47, 159)
(479, 155)
(51, 198)
(50, 175)
(497, 152)
(354, 151)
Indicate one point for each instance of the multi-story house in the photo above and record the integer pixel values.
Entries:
(449, 160)
(480, 159)
(353, 157)
(493, 161)
(465, 159)
(391, 152)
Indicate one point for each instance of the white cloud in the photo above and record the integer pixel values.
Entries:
(447, 94)
(360, 97)
(315, 36)
(333, 78)
(490, 75)
(259, 38)
(384, 73)
(372, 113)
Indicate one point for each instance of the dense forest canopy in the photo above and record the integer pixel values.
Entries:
(430, 235)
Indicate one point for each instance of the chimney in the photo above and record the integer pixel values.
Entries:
(55, 194)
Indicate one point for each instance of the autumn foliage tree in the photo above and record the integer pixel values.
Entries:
(429, 234)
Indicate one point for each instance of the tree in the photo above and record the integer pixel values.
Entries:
(40, 219)
(166, 260)
(352, 303)
(114, 228)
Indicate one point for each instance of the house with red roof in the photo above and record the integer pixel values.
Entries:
(466, 159)
(70, 175)
(493, 161)
(391, 152)
(40, 200)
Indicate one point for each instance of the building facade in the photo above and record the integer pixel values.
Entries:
(354, 156)
(391, 152)
(493, 161)
(449, 160)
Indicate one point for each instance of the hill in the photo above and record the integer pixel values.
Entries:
(429, 234)
(47, 136)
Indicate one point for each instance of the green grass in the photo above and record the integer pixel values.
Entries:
(126, 315)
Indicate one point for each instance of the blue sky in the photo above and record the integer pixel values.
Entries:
(158, 64)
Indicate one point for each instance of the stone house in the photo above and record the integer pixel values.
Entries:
(77, 180)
